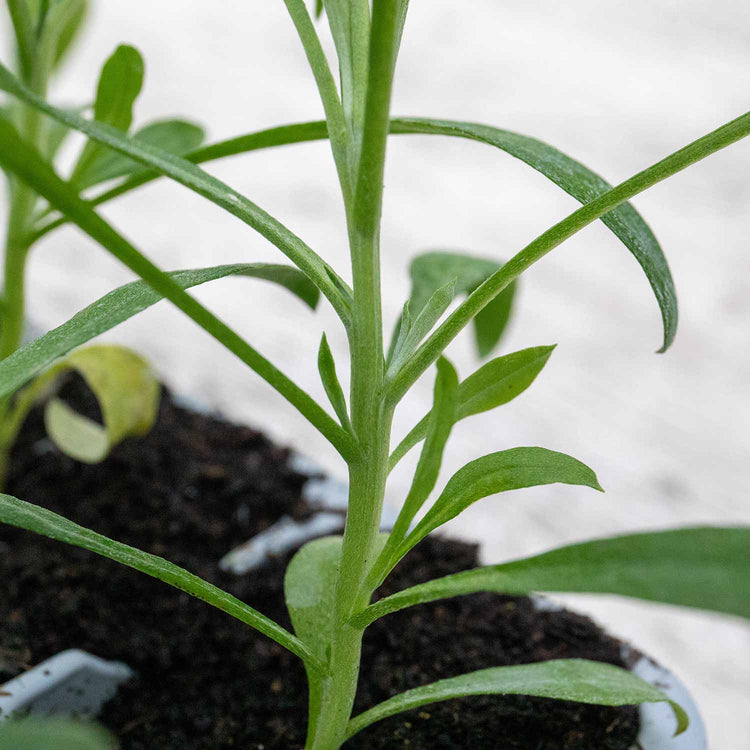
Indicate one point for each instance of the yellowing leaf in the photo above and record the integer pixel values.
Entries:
(128, 396)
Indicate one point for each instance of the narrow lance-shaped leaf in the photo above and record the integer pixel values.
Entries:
(57, 24)
(127, 391)
(42, 521)
(442, 417)
(400, 332)
(120, 83)
(418, 322)
(337, 127)
(350, 27)
(53, 734)
(429, 271)
(179, 137)
(23, 28)
(125, 302)
(334, 391)
(495, 383)
(722, 137)
(196, 179)
(703, 567)
(561, 679)
(445, 399)
(499, 472)
(584, 185)
(64, 20)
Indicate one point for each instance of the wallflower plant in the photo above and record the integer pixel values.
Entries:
(330, 582)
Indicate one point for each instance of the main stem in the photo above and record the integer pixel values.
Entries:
(332, 697)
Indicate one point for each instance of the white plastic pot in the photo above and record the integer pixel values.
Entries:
(71, 683)
(657, 719)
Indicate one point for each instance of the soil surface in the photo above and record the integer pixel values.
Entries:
(190, 491)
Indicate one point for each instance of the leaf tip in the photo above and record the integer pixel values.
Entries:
(683, 720)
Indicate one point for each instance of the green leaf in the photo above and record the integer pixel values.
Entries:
(400, 332)
(722, 137)
(23, 29)
(495, 383)
(584, 185)
(418, 325)
(65, 20)
(350, 27)
(562, 679)
(42, 521)
(492, 320)
(318, 8)
(432, 270)
(186, 173)
(703, 567)
(57, 23)
(176, 136)
(499, 472)
(123, 303)
(310, 589)
(128, 395)
(120, 83)
(336, 125)
(334, 391)
(442, 417)
(53, 734)
(441, 420)
(501, 380)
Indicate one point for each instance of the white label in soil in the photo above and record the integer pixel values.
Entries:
(71, 683)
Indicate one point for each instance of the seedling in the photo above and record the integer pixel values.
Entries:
(330, 582)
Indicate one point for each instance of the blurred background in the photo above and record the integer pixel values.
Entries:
(616, 85)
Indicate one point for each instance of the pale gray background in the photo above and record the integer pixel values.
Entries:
(618, 85)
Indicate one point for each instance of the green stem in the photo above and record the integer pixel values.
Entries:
(484, 294)
(16, 251)
(23, 202)
(371, 418)
(35, 71)
(334, 693)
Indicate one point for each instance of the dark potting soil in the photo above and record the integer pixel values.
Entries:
(190, 491)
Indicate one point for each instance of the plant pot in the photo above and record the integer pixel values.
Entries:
(75, 683)
(213, 497)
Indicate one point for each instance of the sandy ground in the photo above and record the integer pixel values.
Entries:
(618, 85)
